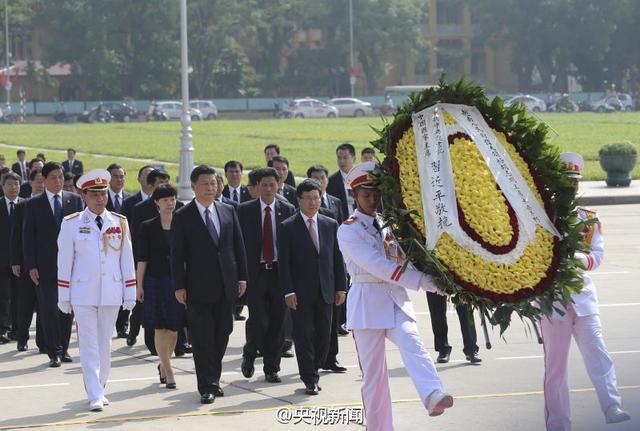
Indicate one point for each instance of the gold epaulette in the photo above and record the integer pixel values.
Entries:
(118, 215)
(350, 220)
(74, 215)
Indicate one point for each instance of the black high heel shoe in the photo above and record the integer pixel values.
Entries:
(163, 380)
(171, 385)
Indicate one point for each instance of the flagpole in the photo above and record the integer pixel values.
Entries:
(186, 139)
(6, 39)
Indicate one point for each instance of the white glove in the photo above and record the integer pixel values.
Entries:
(428, 285)
(65, 307)
(128, 305)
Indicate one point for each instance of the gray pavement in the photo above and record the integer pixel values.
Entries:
(504, 393)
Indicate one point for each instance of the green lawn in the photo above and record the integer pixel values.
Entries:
(303, 141)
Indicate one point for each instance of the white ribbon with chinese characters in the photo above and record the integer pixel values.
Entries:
(438, 189)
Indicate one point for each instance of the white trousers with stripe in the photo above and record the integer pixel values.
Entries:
(370, 346)
(587, 331)
(95, 326)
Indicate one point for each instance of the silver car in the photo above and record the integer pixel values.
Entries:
(533, 104)
(301, 108)
(173, 110)
(207, 107)
(351, 107)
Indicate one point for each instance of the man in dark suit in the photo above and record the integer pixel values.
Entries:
(21, 167)
(143, 211)
(272, 150)
(331, 206)
(281, 165)
(142, 195)
(221, 197)
(25, 188)
(260, 220)
(72, 164)
(234, 190)
(43, 216)
(116, 194)
(8, 281)
(27, 298)
(209, 271)
(346, 155)
(438, 313)
(313, 279)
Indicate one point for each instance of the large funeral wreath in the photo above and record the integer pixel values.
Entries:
(547, 271)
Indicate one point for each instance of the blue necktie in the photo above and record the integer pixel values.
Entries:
(116, 205)
(57, 209)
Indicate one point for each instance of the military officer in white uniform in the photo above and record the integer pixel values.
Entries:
(580, 320)
(95, 277)
(378, 307)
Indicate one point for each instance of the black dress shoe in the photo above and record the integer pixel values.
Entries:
(131, 341)
(217, 391)
(122, 334)
(171, 385)
(311, 389)
(65, 358)
(4, 339)
(287, 354)
(22, 347)
(207, 398)
(336, 368)
(54, 362)
(342, 330)
(188, 348)
(443, 357)
(239, 317)
(272, 378)
(178, 353)
(247, 367)
(474, 358)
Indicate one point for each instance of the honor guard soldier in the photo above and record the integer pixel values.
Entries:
(378, 306)
(582, 321)
(95, 277)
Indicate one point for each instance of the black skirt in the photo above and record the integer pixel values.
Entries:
(161, 308)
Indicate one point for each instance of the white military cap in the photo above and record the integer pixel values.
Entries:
(360, 176)
(572, 164)
(95, 179)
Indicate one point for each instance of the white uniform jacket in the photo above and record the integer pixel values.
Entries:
(585, 303)
(95, 267)
(371, 255)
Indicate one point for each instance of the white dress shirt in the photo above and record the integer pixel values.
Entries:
(212, 213)
(273, 226)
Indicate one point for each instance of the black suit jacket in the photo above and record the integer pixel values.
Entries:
(16, 168)
(78, 168)
(40, 232)
(206, 269)
(250, 216)
(228, 201)
(15, 253)
(128, 204)
(125, 196)
(6, 224)
(25, 190)
(144, 211)
(336, 188)
(334, 207)
(302, 269)
(289, 194)
(244, 193)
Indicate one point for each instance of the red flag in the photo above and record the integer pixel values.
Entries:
(16, 77)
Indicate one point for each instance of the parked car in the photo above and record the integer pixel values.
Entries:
(611, 103)
(172, 110)
(301, 108)
(351, 107)
(96, 114)
(207, 107)
(121, 111)
(627, 101)
(533, 104)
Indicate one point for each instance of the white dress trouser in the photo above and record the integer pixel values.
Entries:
(370, 346)
(95, 327)
(587, 331)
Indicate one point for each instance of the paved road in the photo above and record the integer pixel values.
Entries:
(504, 393)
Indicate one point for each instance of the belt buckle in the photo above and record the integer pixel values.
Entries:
(267, 265)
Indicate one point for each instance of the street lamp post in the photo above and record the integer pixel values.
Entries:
(352, 78)
(186, 143)
(8, 55)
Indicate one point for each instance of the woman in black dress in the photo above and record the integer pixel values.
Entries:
(162, 311)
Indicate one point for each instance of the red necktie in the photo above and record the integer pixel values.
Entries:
(267, 236)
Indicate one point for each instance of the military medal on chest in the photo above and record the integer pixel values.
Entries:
(112, 238)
